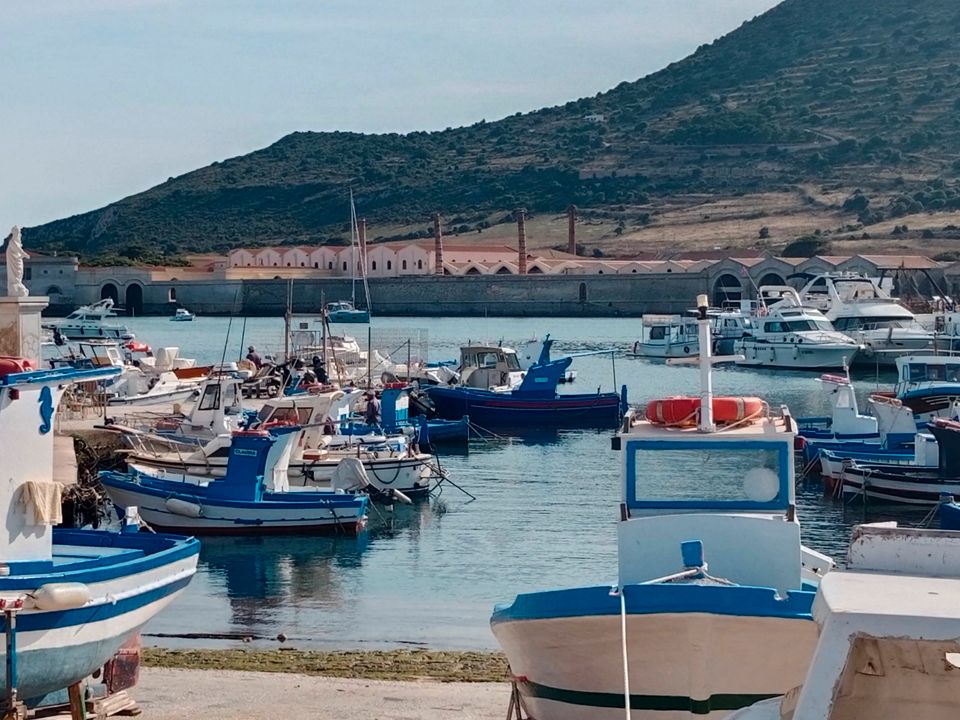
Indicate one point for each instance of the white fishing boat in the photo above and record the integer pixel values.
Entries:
(711, 568)
(785, 334)
(860, 308)
(71, 598)
(91, 321)
(390, 463)
(889, 633)
(667, 336)
(182, 315)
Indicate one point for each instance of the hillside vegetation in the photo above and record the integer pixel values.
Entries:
(851, 107)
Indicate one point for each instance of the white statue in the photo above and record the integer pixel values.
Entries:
(15, 258)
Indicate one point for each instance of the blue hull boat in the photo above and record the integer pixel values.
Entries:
(491, 409)
(534, 403)
(950, 516)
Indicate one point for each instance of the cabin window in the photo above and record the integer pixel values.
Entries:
(658, 332)
(211, 398)
(488, 360)
(733, 477)
(774, 327)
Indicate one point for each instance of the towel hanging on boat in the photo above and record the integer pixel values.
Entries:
(44, 498)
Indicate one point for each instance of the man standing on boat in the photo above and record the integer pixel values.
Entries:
(254, 357)
(372, 414)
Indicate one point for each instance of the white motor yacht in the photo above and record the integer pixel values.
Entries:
(89, 321)
(783, 333)
(860, 308)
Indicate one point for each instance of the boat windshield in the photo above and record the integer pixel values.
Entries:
(875, 323)
(920, 372)
(295, 416)
(513, 363)
(856, 289)
(746, 474)
(804, 325)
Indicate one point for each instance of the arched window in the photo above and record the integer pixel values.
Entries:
(771, 279)
(374, 265)
(404, 265)
(330, 265)
(344, 267)
(583, 292)
(535, 271)
(52, 290)
(171, 295)
(316, 266)
(389, 265)
(504, 270)
(419, 264)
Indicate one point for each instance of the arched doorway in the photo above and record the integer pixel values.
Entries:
(772, 279)
(134, 300)
(727, 289)
(110, 291)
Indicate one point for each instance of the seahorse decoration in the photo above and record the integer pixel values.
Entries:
(15, 256)
(46, 410)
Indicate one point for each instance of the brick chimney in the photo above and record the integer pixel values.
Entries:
(362, 240)
(437, 245)
(520, 214)
(572, 229)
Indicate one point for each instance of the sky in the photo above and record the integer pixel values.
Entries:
(100, 99)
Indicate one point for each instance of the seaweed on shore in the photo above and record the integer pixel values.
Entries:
(440, 665)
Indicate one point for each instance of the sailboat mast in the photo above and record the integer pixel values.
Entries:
(353, 252)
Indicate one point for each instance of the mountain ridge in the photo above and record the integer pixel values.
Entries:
(859, 95)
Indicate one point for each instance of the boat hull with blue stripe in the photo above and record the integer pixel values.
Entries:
(711, 610)
(84, 593)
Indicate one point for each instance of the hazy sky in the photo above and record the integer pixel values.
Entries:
(100, 99)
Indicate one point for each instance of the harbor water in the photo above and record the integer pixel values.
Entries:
(429, 574)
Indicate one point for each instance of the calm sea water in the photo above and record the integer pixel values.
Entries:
(545, 514)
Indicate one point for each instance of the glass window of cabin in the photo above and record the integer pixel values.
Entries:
(512, 362)
(819, 286)
(936, 372)
(953, 373)
(773, 327)
(658, 333)
(747, 472)
(488, 360)
(211, 398)
(916, 373)
(231, 400)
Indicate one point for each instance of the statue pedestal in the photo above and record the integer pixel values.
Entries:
(20, 330)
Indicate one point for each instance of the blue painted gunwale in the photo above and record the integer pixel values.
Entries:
(59, 375)
(737, 600)
(157, 550)
(782, 446)
(159, 488)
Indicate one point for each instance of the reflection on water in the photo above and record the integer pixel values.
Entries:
(429, 574)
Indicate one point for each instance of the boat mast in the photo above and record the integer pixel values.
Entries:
(353, 252)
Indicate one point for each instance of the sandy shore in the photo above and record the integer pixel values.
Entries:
(176, 694)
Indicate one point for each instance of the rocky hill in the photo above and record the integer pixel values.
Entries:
(857, 99)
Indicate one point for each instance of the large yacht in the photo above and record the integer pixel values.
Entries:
(858, 307)
(778, 331)
(90, 321)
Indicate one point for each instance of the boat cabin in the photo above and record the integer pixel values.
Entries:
(667, 336)
(483, 366)
(340, 306)
(916, 371)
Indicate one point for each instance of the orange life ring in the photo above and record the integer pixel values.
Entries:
(837, 379)
(685, 411)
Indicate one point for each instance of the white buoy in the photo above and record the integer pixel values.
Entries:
(61, 596)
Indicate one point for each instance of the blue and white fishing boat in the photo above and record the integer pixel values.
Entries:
(533, 403)
(253, 497)
(712, 608)
(77, 595)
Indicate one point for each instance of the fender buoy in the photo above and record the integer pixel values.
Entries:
(10, 365)
(685, 411)
(837, 379)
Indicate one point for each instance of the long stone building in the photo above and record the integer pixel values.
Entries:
(472, 286)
